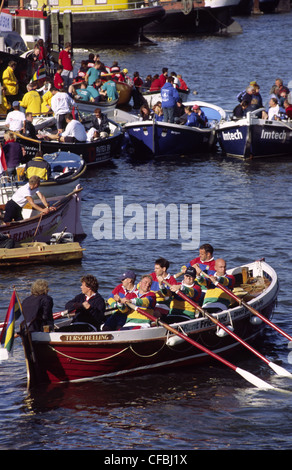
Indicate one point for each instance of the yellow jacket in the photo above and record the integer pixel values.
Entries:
(32, 102)
(10, 81)
(4, 106)
(46, 102)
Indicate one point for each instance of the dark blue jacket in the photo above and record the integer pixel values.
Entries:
(169, 95)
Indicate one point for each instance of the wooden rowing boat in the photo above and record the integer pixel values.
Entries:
(41, 253)
(63, 356)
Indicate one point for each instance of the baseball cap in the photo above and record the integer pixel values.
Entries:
(130, 274)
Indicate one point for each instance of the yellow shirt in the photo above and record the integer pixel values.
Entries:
(4, 106)
(46, 102)
(10, 81)
(32, 102)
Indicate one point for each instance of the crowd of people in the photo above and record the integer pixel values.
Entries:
(278, 107)
(156, 293)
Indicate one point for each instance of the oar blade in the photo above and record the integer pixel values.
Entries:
(280, 370)
(253, 379)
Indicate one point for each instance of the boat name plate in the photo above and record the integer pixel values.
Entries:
(86, 337)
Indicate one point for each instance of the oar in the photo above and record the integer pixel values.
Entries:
(278, 369)
(251, 309)
(253, 379)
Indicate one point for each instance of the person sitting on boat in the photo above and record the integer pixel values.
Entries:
(161, 267)
(205, 260)
(111, 90)
(179, 112)
(15, 119)
(158, 112)
(169, 97)
(137, 90)
(155, 84)
(83, 93)
(201, 116)
(37, 309)
(10, 82)
(126, 289)
(180, 309)
(74, 131)
(89, 306)
(100, 122)
(246, 95)
(192, 118)
(13, 152)
(216, 299)
(240, 110)
(273, 113)
(145, 112)
(91, 60)
(38, 166)
(58, 79)
(96, 93)
(256, 96)
(182, 84)
(288, 109)
(115, 67)
(145, 300)
(82, 71)
(28, 127)
(61, 105)
(31, 101)
(93, 73)
(24, 195)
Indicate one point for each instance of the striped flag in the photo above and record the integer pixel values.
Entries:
(40, 73)
(7, 335)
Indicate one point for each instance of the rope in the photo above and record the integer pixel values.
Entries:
(88, 360)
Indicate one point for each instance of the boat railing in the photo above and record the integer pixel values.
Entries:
(104, 6)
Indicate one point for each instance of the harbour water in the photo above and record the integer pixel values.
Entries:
(245, 213)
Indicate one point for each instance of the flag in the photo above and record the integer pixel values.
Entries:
(13, 313)
(40, 73)
(3, 165)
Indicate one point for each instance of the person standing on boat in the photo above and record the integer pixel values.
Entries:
(31, 101)
(126, 289)
(10, 82)
(180, 309)
(216, 299)
(37, 309)
(65, 59)
(61, 104)
(24, 195)
(89, 306)
(169, 97)
(74, 132)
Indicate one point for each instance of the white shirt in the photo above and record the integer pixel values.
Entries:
(61, 103)
(15, 120)
(90, 134)
(273, 111)
(22, 193)
(75, 129)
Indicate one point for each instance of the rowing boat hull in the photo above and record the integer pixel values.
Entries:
(40, 253)
(41, 228)
(65, 356)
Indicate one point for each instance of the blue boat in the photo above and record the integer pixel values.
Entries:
(154, 138)
(253, 137)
